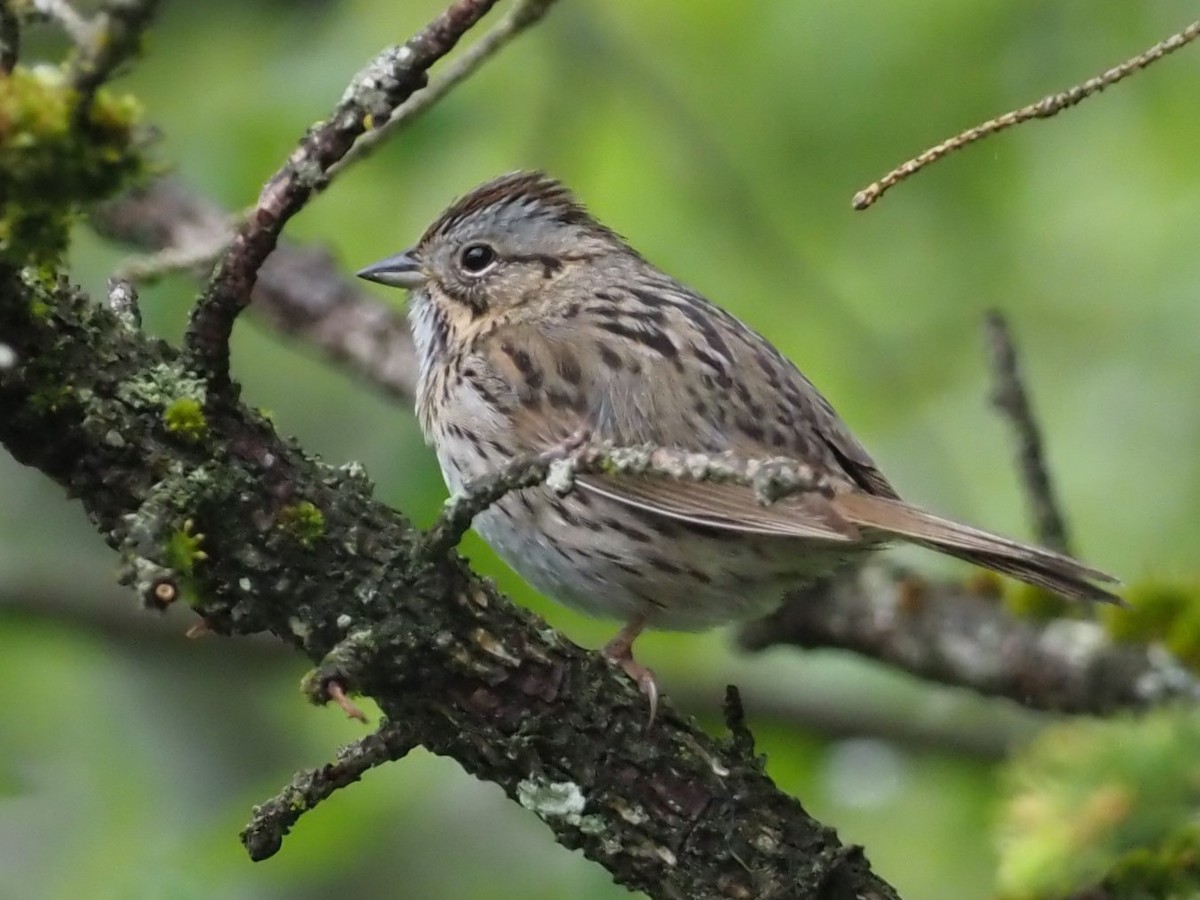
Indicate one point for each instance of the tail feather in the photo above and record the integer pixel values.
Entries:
(1033, 565)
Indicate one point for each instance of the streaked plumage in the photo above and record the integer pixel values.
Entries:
(565, 329)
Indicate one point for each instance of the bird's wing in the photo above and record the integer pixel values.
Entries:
(663, 367)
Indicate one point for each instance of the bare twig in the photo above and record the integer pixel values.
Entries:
(197, 254)
(523, 14)
(10, 38)
(299, 291)
(113, 38)
(270, 822)
(1048, 106)
(374, 93)
(944, 632)
(1011, 399)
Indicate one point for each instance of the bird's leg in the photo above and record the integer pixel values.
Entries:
(620, 652)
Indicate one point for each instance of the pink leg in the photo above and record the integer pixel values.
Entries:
(620, 652)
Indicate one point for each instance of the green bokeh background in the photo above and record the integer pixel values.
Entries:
(725, 140)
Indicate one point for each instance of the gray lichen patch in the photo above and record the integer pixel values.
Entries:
(161, 385)
(175, 393)
(558, 800)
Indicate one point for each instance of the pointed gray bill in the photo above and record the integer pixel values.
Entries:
(402, 270)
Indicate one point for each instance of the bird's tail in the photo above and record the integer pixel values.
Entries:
(1033, 565)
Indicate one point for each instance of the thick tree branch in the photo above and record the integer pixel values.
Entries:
(258, 537)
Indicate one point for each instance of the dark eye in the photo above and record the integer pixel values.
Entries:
(477, 258)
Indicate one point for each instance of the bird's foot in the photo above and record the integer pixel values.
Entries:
(619, 651)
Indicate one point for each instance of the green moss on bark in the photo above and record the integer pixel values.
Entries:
(53, 160)
(303, 521)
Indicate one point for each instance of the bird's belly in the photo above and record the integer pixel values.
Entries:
(607, 559)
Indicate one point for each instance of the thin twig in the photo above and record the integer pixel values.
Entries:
(771, 479)
(10, 38)
(1012, 400)
(271, 821)
(78, 28)
(300, 291)
(374, 93)
(740, 736)
(198, 253)
(1048, 106)
(524, 14)
(114, 37)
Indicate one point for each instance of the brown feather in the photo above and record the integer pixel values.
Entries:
(1034, 565)
(728, 506)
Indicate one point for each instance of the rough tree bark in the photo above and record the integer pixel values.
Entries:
(206, 504)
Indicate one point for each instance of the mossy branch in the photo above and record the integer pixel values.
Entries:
(474, 677)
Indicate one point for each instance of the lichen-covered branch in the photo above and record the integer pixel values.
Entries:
(771, 480)
(955, 635)
(258, 537)
(523, 15)
(373, 94)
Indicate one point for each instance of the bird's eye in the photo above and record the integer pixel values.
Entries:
(477, 258)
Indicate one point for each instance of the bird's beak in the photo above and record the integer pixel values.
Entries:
(402, 270)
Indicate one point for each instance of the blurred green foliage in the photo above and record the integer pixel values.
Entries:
(725, 141)
(1106, 800)
(1161, 611)
(47, 165)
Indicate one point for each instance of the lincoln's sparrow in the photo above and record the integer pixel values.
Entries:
(535, 323)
